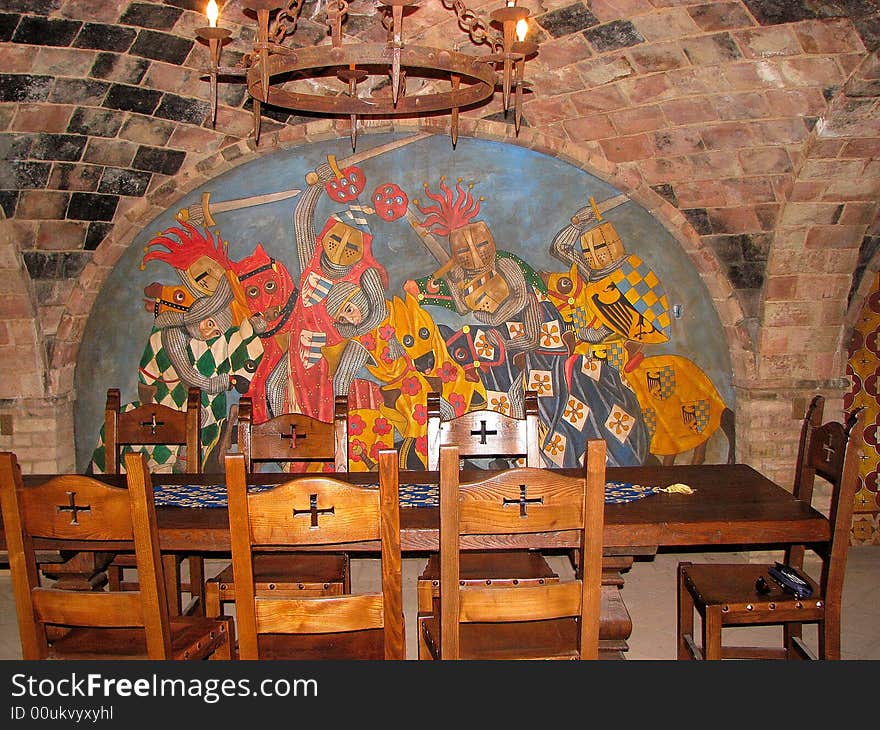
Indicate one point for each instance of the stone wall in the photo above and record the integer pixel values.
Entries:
(748, 127)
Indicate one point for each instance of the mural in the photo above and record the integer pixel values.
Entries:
(409, 267)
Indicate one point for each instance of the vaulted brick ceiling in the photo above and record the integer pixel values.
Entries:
(754, 120)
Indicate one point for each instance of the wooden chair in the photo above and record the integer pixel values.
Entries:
(485, 434)
(731, 595)
(551, 621)
(81, 512)
(294, 439)
(152, 424)
(316, 511)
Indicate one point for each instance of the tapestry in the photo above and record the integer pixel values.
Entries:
(863, 366)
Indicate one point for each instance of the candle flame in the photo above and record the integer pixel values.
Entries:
(213, 12)
(522, 27)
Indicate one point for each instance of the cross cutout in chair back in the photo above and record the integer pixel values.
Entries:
(828, 449)
(152, 423)
(293, 436)
(482, 433)
(73, 508)
(523, 502)
(314, 511)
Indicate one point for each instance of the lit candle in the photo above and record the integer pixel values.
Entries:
(522, 27)
(213, 12)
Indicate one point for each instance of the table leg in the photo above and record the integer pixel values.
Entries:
(616, 623)
(79, 571)
(75, 572)
(616, 626)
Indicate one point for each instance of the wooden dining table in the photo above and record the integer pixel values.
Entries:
(731, 506)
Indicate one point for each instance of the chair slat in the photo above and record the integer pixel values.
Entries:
(320, 615)
(313, 511)
(152, 424)
(485, 434)
(74, 507)
(524, 500)
(533, 603)
(294, 437)
(119, 608)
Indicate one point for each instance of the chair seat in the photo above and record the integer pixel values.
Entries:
(551, 639)
(496, 566)
(509, 567)
(191, 638)
(293, 572)
(284, 574)
(732, 586)
(367, 644)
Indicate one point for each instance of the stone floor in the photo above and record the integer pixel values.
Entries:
(649, 593)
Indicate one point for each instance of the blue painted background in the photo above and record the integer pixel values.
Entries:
(528, 197)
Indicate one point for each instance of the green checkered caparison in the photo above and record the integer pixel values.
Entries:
(237, 352)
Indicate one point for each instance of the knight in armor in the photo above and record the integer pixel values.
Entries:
(340, 252)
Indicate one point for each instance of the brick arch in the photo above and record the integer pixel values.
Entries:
(21, 342)
(864, 288)
(831, 205)
(199, 172)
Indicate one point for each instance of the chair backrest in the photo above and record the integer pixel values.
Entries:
(293, 437)
(521, 500)
(830, 450)
(805, 475)
(485, 433)
(78, 511)
(316, 511)
(152, 424)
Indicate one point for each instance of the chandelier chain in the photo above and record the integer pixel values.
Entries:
(475, 26)
(285, 22)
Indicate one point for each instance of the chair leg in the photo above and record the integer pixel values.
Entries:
(829, 634)
(346, 583)
(114, 578)
(171, 569)
(424, 650)
(226, 650)
(212, 599)
(791, 633)
(712, 633)
(685, 615)
(197, 583)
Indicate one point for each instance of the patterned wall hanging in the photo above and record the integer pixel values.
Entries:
(863, 367)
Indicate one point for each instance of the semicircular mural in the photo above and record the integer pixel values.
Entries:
(410, 267)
